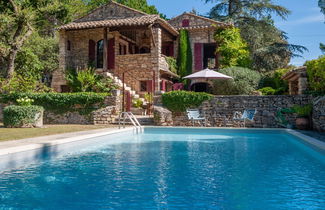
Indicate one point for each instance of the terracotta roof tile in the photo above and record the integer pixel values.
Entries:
(134, 21)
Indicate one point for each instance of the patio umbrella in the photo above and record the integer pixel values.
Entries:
(207, 74)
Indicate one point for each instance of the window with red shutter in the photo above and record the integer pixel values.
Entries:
(198, 56)
(186, 23)
(91, 52)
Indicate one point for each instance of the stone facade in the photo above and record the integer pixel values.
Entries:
(220, 110)
(319, 114)
(131, 31)
(137, 45)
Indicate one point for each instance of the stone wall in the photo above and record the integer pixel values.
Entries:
(106, 115)
(137, 67)
(220, 110)
(319, 114)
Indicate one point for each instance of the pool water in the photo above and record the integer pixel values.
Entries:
(174, 169)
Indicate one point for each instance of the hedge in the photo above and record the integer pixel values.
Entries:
(16, 116)
(179, 101)
(60, 102)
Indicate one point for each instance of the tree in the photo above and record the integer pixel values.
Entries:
(244, 82)
(232, 47)
(184, 58)
(268, 45)
(15, 29)
(321, 4)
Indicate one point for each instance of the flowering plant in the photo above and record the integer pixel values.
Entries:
(25, 101)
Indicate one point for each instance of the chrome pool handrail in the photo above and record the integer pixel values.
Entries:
(132, 119)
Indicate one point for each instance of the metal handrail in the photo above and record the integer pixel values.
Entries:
(132, 119)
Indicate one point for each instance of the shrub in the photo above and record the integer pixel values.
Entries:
(267, 91)
(275, 81)
(244, 82)
(316, 74)
(87, 80)
(303, 111)
(172, 64)
(60, 102)
(184, 58)
(17, 116)
(179, 101)
(22, 84)
(137, 103)
(25, 101)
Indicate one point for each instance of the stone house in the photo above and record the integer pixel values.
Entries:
(297, 80)
(132, 46)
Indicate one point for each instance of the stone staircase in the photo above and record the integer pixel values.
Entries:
(119, 82)
(143, 120)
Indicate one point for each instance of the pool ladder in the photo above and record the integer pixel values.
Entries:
(133, 120)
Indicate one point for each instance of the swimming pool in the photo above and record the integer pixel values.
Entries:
(173, 168)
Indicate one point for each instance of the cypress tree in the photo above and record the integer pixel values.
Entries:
(184, 58)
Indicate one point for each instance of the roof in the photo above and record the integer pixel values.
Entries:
(294, 74)
(213, 22)
(134, 21)
(112, 2)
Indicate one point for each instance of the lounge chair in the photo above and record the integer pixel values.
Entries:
(248, 114)
(194, 115)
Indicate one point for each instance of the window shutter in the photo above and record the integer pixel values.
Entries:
(111, 54)
(198, 56)
(186, 23)
(149, 86)
(91, 51)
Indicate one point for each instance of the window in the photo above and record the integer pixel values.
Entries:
(144, 50)
(68, 45)
(186, 23)
(100, 53)
(143, 86)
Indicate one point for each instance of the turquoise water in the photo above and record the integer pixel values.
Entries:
(173, 169)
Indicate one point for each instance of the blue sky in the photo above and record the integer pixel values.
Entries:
(305, 25)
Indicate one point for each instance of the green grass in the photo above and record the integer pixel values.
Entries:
(22, 133)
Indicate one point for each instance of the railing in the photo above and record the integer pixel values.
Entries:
(133, 120)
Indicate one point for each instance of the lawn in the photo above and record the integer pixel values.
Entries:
(21, 133)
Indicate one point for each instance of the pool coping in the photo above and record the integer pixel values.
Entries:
(58, 139)
(54, 140)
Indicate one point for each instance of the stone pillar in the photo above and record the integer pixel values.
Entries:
(58, 77)
(302, 85)
(156, 55)
(105, 39)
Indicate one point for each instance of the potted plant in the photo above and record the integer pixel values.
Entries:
(303, 115)
(137, 106)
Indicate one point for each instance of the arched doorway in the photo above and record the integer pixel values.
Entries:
(201, 87)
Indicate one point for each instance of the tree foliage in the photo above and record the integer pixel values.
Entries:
(316, 74)
(268, 45)
(184, 58)
(244, 82)
(232, 47)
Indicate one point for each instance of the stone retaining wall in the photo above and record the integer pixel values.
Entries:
(101, 116)
(220, 110)
(319, 114)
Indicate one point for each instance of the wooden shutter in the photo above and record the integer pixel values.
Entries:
(91, 51)
(111, 54)
(198, 56)
(149, 86)
(186, 23)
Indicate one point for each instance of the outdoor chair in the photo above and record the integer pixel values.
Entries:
(248, 114)
(195, 116)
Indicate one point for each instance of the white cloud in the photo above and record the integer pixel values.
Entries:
(309, 19)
